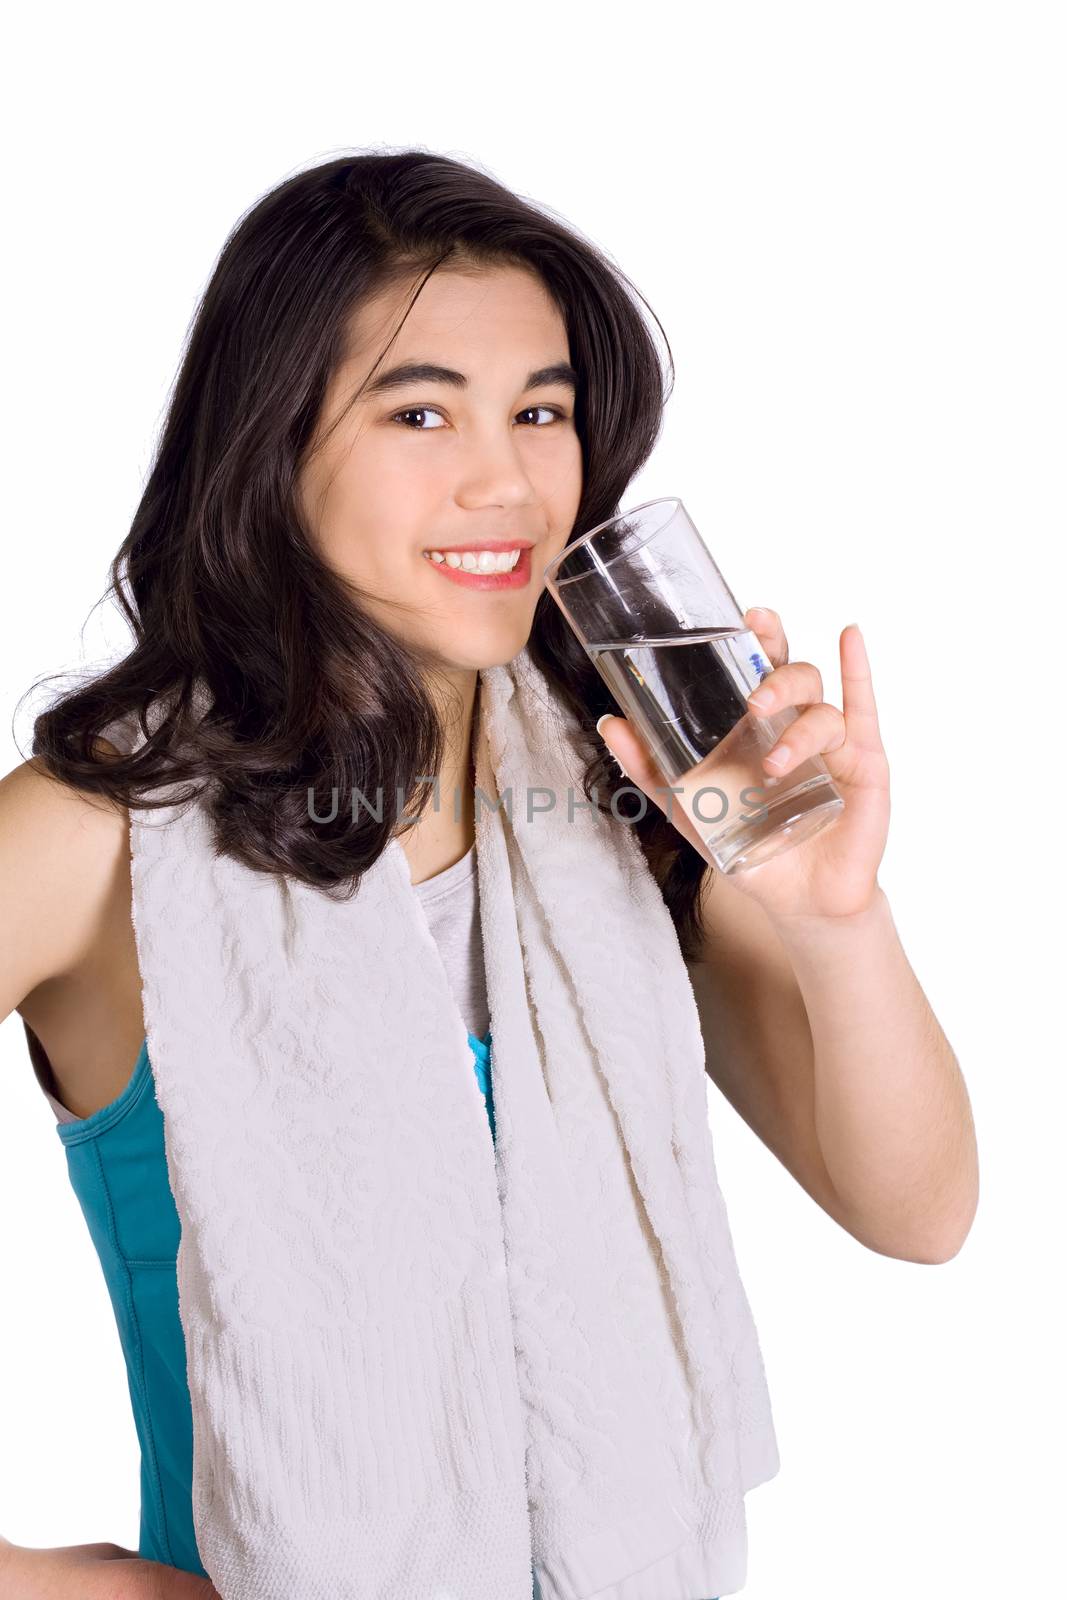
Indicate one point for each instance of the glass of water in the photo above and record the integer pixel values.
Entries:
(659, 622)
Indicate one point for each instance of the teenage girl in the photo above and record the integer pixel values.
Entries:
(406, 389)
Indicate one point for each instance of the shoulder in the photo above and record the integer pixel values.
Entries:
(34, 804)
(62, 852)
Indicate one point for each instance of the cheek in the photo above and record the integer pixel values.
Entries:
(561, 480)
(379, 508)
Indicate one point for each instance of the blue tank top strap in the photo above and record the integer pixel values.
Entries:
(117, 1166)
(481, 1049)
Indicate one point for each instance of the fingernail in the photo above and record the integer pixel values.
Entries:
(604, 718)
(761, 699)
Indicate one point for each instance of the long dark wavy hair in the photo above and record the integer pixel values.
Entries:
(222, 585)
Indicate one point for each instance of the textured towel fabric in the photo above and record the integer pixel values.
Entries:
(118, 1171)
(421, 1364)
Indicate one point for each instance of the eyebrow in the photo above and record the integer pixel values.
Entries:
(429, 372)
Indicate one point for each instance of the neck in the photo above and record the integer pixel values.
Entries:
(455, 694)
(441, 837)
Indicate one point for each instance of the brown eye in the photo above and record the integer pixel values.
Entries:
(416, 411)
(554, 412)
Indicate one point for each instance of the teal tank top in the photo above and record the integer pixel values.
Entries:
(117, 1165)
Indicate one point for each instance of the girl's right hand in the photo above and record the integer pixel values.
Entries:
(94, 1572)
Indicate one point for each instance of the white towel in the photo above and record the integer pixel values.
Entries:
(422, 1366)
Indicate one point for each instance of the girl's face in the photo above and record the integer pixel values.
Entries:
(488, 455)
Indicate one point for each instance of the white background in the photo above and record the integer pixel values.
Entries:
(850, 220)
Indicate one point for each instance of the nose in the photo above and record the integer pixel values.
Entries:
(495, 474)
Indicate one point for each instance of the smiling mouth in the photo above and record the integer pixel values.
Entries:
(483, 568)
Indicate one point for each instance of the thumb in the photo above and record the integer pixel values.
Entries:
(610, 719)
(629, 751)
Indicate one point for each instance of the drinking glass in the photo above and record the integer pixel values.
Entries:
(660, 624)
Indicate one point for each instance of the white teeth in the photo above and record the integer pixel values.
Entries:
(478, 560)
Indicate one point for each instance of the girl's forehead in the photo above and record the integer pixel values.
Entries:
(454, 309)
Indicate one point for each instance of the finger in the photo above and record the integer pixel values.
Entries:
(797, 683)
(767, 626)
(817, 731)
(857, 691)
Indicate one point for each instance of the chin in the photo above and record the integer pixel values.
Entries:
(495, 648)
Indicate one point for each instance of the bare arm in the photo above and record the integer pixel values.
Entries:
(57, 852)
(822, 1039)
(758, 1045)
